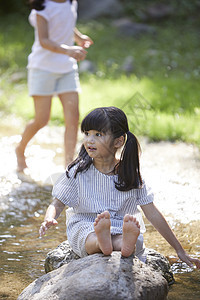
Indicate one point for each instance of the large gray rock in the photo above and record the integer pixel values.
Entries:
(99, 277)
(64, 254)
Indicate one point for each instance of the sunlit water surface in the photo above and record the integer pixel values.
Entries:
(24, 199)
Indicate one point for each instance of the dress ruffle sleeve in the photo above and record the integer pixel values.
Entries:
(144, 195)
(43, 13)
(66, 189)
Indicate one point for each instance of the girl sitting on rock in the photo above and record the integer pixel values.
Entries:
(103, 192)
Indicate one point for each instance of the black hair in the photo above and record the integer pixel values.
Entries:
(113, 120)
(38, 4)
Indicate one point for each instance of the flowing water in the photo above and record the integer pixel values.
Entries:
(172, 170)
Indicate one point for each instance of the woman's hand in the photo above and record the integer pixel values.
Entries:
(76, 52)
(84, 41)
(46, 225)
(188, 260)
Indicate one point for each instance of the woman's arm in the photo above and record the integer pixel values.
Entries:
(76, 52)
(159, 222)
(82, 39)
(52, 213)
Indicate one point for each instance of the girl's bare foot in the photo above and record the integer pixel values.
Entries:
(21, 162)
(102, 229)
(131, 231)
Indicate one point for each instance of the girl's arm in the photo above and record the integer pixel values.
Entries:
(76, 52)
(159, 222)
(52, 213)
(82, 39)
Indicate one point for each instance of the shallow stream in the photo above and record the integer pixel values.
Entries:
(171, 169)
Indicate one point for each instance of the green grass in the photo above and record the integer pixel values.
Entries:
(161, 97)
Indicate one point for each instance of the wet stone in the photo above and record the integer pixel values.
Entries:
(100, 277)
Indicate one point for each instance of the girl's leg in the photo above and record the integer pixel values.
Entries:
(131, 231)
(100, 241)
(92, 244)
(127, 241)
(42, 105)
(70, 103)
(117, 242)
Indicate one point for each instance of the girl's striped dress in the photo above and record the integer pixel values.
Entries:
(91, 193)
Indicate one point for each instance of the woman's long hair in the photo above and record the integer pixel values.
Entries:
(38, 4)
(113, 120)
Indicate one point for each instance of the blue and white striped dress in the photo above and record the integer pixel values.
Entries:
(91, 193)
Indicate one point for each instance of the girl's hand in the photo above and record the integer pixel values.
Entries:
(84, 41)
(189, 260)
(76, 52)
(46, 225)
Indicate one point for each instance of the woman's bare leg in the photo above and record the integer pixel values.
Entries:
(70, 103)
(42, 105)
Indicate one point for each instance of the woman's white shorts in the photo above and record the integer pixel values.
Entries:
(44, 83)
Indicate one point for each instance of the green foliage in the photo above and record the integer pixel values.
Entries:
(161, 96)
(16, 37)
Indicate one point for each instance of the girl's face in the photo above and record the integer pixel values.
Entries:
(98, 144)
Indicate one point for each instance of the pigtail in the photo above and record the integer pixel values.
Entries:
(83, 161)
(128, 168)
(37, 4)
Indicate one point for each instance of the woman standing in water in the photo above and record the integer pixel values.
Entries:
(52, 70)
